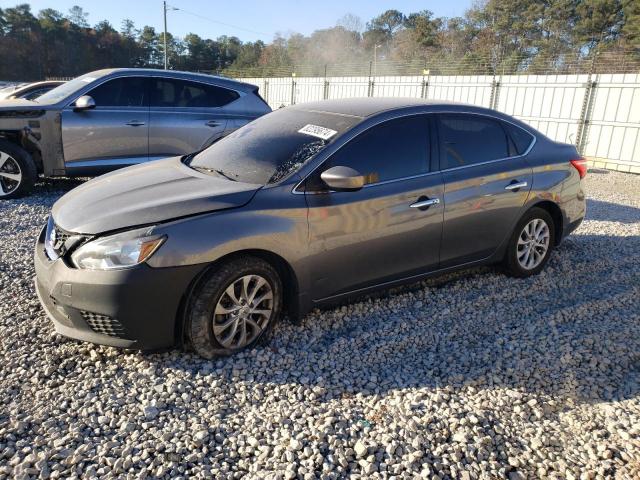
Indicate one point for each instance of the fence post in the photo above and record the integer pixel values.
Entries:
(325, 92)
(495, 92)
(426, 77)
(587, 106)
(293, 88)
(585, 113)
(371, 83)
(266, 90)
(496, 98)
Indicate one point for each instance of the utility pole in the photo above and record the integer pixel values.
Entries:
(164, 4)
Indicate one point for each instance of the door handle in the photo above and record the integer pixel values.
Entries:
(516, 185)
(135, 123)
(212, 123)
(423, 203)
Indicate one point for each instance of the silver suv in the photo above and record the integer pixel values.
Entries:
(112, 118)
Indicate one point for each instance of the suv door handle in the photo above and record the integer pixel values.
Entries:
(135, 123)
(212, 123)
(515, 185)
(424, 202)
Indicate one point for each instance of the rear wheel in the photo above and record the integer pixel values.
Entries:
(530, 244)
(234, 307)
(18, 172)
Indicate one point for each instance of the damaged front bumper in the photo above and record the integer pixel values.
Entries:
(130, 308)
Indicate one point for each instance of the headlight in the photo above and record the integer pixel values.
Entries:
(118, 251)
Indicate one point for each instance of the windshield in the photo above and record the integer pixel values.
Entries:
(272, 147)
(69, 88)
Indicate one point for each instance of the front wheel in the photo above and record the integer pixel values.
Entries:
(18, 172)
(234, 307)
(531, 243)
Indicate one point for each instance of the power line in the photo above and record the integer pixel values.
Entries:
(230, 25)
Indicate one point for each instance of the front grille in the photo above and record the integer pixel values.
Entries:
(103, 324)
(61, 235)
(58, 241)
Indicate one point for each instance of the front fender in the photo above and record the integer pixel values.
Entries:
(37, 130)
(275, 220)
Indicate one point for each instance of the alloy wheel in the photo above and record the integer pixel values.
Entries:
(533, 244)
(243, 311)
(10, 174)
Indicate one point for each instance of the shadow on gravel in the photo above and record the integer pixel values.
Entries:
(612, 212)
(56, 185)
(572, 333)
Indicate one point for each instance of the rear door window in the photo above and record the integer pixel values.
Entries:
(521, 139)
(470, 139)
(121, 92)
(174, 93)
(392, 150)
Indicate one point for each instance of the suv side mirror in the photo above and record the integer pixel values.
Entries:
(343, 179)
(85, 102)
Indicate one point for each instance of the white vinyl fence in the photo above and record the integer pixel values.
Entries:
(600, 113)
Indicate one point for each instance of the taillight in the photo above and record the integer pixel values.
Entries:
(580, 164)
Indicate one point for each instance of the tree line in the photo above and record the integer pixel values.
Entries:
(516, 35)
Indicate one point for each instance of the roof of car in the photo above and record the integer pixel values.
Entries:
(223, 81)
(367, 106)
(42, 83)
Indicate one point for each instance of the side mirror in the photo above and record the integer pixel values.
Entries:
(343, 179)
(85, 102)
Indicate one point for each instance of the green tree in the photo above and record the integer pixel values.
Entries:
(631, 28)
(78, 16)
(493, 35)
(22, 33)
(150, 54)
(598, 22)
(424, 28)
(382, 29)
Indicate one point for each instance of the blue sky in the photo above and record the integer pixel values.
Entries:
(258, 19)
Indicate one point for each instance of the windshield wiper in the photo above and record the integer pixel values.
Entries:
(213, 170)
(186, 159)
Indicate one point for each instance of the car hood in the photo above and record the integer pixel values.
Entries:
(144, 194)
(20, 104)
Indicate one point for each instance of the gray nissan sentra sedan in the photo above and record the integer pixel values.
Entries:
(305, 206)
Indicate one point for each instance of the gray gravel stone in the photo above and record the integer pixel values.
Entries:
(472, 375)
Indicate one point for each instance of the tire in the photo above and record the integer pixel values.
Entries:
(18, 171)
(516, 262)
(213, 334)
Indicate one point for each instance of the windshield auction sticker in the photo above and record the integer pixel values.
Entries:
(317, 131)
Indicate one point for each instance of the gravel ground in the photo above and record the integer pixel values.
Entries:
(475, 375)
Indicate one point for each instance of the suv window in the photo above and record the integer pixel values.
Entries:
(394, 149)
(168, 92)
(121, 92)
(471, 139)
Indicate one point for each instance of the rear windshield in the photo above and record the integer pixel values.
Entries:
(272, 147)
(69, 88)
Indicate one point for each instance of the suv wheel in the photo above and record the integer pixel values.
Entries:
(530, 244)
(17, 171)
(234, 307)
